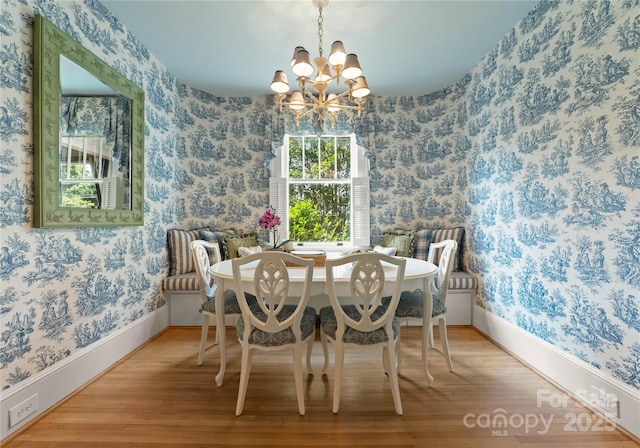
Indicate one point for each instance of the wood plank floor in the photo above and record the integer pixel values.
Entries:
(158, 397)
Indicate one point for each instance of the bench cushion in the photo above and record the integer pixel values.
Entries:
(182, 282)
(462, 280)
(189, 282)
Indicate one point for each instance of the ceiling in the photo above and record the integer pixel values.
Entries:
(232, 48)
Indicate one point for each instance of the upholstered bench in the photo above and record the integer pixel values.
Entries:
(181, 289)
(183, 299)
(182, 294)
(462, 285)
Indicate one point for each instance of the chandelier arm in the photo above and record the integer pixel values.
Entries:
(343, 94)
(311, 105)
(305, 113)
(302, 82)
(341, 106)
(312, 96)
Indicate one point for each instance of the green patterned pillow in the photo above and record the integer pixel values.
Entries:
(231, 243)
(402, 240)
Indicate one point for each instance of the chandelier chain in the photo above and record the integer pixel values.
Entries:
(320, 30)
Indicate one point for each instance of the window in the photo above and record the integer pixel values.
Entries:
(87, 177)
(320, 189)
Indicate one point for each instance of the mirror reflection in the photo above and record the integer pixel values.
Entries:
(95, 142)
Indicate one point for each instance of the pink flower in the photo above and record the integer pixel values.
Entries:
(269, 219)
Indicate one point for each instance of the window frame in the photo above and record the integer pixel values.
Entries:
(360, 203)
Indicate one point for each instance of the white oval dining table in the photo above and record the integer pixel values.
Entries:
(418, 274)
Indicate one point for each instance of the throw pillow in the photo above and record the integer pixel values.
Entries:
(215, 237)
(385, 250)
(179, 244)
(402, 240)
(423, 240)
(454, 233)
(231, 243)
(244, 251)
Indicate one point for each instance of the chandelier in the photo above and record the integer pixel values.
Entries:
(339, 65)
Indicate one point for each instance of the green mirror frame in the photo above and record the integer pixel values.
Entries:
(49, 44)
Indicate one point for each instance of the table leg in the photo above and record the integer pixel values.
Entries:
(426, 324)
(221, 332)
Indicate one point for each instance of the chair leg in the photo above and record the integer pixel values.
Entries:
(399, 355)
(216, 339)
(393, 376)
(245, 369)
(297, 373)
(203, 337)
(309, 348)
(385, 360)
(442, 324)
(431, 343)
(325, 350)
(337, 380)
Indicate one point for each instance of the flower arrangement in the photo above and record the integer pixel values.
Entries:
(270, 221)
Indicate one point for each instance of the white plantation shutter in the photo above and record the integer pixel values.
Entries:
(109, 192)
(278, 197)
(360, 233)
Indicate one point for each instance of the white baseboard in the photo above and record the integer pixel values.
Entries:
(567, 372)
(55, 383)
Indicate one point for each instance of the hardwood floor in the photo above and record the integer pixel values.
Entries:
(159, 397)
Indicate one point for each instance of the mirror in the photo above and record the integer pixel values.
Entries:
(89, 137)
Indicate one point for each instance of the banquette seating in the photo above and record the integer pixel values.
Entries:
(181, 290)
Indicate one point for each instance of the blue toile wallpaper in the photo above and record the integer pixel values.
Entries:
(536, 152)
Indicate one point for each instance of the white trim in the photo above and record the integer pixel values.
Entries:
(564, 370)
(61, 379)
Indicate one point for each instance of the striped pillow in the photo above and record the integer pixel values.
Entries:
(454, 233)
(179, 242)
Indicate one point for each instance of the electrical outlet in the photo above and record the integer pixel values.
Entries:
(604, 402)
(23, 410)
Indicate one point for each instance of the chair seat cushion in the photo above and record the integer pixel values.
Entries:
(264, 339)
(410, 305)
(329, 325)
(231, 305)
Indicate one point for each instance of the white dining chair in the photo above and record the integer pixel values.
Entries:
(362, 318)
(410, 306)
(204, 255)
(269, 323)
